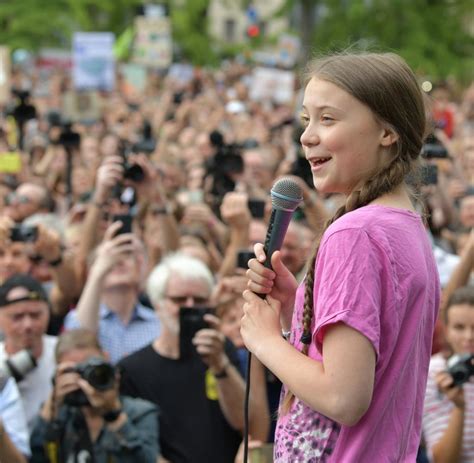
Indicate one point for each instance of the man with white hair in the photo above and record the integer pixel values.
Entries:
(201, 394)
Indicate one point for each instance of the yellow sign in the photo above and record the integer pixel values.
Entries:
(10, 163)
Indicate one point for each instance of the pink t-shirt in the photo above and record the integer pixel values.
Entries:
(376, 273)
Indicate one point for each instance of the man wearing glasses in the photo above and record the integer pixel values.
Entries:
(26, 200)
(200, 394)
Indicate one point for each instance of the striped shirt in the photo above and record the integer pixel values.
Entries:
(119, 339)
(437, 411)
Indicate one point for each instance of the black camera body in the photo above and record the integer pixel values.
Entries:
(99, 373)
(460, 367)
(434, 149)
(24, 233)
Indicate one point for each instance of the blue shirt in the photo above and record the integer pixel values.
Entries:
(119, 339)
(13, 417)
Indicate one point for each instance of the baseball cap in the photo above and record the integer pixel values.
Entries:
(35, 291)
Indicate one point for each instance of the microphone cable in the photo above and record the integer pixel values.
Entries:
(246, 408)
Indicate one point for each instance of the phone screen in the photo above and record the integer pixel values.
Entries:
(191, 320)
(243, 258)
(257, 208)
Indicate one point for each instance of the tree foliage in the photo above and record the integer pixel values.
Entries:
(434, 36)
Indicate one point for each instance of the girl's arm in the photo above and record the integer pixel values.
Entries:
(340, 387)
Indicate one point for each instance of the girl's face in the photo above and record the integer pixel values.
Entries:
(460, 328)
(343, 141)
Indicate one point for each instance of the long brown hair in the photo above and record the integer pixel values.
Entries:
(386, 85)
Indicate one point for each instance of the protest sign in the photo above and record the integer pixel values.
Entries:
(270, 84)
(93, 61)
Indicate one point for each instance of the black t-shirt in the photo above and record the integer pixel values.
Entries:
(192, 428)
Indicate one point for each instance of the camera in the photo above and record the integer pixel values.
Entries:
(434, 149)
(16, 366)
(23, 111)
(68, 138)
(99, 373)
(24, 233)
(460, 367)
(429, 174)
(131, 171)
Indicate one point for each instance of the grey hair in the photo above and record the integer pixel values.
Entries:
(49, 220)
(176, 264)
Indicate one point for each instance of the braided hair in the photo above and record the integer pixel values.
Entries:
(385, 84)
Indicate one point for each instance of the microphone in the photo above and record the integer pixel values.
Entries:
(286, 196)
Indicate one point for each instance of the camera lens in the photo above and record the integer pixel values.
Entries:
(101, 376)
(134, 173)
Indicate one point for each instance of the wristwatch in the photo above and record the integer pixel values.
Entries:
(223, 373)
(112, 415)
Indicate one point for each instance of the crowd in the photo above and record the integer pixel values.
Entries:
(110, 227)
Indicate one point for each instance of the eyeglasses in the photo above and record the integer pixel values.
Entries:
(13, 197)
(181, 300)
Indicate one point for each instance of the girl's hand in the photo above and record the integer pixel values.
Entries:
(261, 321)
(278, 283)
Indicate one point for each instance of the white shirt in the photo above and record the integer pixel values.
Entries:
(37, 384)
(13, 417)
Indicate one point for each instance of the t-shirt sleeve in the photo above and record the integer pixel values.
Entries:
(348, 285)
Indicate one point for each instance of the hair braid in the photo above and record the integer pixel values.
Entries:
(381, 183)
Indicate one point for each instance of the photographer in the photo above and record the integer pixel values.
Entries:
(448, 419)
(109, 303)
(85, 418)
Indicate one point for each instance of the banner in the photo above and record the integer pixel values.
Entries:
(93, 61)
(135, 77)
(270, 84)
(82, 106)
(153, 45)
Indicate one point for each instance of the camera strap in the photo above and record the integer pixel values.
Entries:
(81, 449)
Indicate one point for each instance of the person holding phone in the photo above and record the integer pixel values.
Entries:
(200, 394)
(109, 303)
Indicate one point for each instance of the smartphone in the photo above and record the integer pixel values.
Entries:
(191, 320)
(126, 220)
(429, 174)
(257, 208)
(243, 258)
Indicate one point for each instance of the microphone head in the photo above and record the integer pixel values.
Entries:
(286, 194)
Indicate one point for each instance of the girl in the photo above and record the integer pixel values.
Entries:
(356, 363)
(448, 416)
